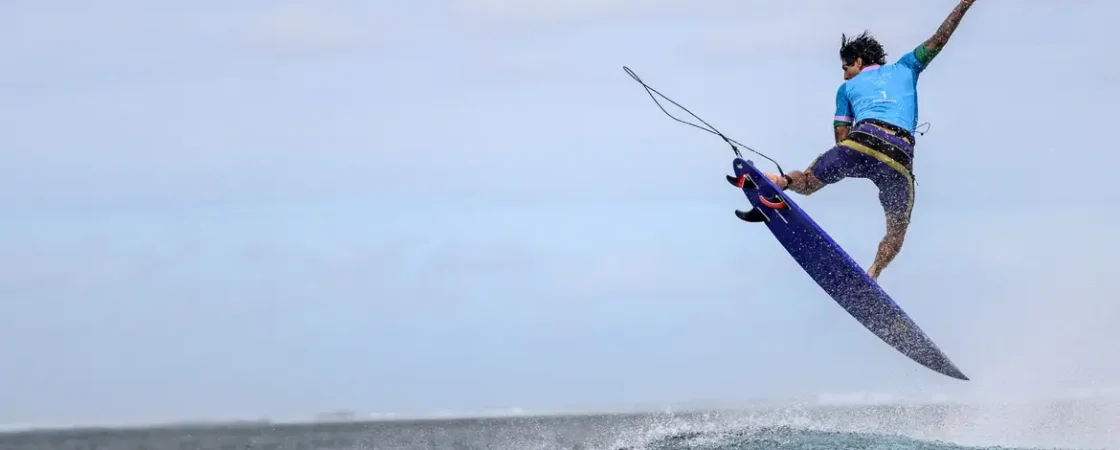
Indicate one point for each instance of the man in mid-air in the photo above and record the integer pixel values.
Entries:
(876, 114)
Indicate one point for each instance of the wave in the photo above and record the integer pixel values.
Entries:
(787, 438)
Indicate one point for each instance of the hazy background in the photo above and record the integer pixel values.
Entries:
(260, 209)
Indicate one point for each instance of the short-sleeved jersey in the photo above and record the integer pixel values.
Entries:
(888, 93)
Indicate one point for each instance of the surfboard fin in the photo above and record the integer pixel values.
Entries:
(775, 202)
(755, 215)
(742, 182)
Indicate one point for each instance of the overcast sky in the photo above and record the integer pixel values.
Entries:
(260, 209)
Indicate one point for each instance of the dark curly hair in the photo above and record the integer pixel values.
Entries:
(863, 47)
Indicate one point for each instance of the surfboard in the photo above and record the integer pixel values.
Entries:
(834, 271)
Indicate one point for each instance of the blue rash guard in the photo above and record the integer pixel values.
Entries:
(888, 93)
(882, 104)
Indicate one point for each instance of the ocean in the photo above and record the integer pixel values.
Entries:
(1077, 425)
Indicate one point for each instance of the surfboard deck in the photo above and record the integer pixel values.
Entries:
(834, 271)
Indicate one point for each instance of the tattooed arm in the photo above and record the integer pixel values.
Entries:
(932, 46)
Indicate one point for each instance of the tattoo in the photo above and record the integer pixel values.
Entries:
(935, 43)
(891, 244)
(804, 183)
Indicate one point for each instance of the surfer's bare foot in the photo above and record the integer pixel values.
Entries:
(778, 180)
(804, 183)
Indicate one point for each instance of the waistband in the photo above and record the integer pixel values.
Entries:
(892, 128)
(886, 144)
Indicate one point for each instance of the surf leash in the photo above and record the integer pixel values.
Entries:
(735, 145)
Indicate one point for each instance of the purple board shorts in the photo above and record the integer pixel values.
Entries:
(873, 153)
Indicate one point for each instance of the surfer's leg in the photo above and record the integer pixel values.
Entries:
(896, 194)
(828, 168)
(886, 159)
(891, 244)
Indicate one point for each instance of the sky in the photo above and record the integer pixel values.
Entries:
(273, 209)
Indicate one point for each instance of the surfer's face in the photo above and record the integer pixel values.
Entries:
(851, 70)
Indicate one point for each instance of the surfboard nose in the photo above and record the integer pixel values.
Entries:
(917, 346)
(948, 369)
(956, 373)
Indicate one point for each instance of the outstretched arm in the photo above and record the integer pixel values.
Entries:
(932, 46)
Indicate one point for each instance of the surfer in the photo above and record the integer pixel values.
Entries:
(876, 114)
